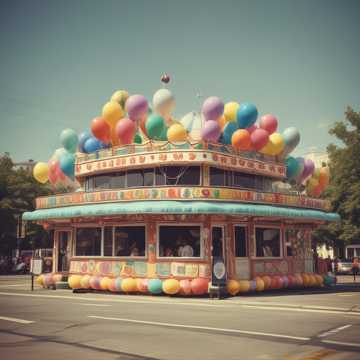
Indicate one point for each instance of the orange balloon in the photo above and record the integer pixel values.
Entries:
(241, 140)
(324, 177)
(222, 121)
(267, 281)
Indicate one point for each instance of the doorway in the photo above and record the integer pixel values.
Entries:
(63, 250)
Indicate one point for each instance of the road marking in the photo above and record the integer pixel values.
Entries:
(345, 294)
(334, 331)
(341, 343)
(235, 331)
(91, 304)
(20, 321)
(28, 284)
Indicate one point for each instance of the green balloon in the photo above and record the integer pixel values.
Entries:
(155, 125)
(137, 139)
(198, 146)
(163, 136)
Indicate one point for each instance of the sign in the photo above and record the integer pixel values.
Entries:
(36, 266)
(218, 277)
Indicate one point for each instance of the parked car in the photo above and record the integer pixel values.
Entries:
(344, 267)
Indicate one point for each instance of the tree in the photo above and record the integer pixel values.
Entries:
(344, 188)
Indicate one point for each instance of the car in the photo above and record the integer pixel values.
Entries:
(344, 267)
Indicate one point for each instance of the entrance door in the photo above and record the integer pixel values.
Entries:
(218, 277)
(63, 250)
(242, 263)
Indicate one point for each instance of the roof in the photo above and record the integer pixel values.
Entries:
(178, 207)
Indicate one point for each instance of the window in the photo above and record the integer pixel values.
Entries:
(244, 180)
(88, 241)
(102, 182)
(129, 241)
(217, 177)
(118, 180)
(179, 241)
(240, 241)
(159, 177)
(267, 242)
(135, 178)
(108, 241)
(177, 175)
(148, 177)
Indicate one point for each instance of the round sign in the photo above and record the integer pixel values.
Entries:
(219, 270)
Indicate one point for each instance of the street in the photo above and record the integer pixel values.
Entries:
(59, 324)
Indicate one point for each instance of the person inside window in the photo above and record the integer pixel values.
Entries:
(168, 252)
(134, 250)
(179, 246)
(267, 251)
(187, 250)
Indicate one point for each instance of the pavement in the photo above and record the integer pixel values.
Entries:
(58, 324)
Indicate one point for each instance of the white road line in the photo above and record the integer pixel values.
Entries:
(340, 343)
(20, 321)
(334, 331)
(4, 286)
(235, 331)
(91, 304)
(345, 294)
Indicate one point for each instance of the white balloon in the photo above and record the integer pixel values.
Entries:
(193, 123)
(163, 102)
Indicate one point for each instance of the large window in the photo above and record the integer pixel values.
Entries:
(88, 241)
(240, 241)
(179, 241)
(129, 241)
(267, 242)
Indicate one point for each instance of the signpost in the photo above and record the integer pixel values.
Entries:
(36, 268)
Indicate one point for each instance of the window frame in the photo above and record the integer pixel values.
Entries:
(281, 242)
(246, 227)
(180, 258)
(84, 226)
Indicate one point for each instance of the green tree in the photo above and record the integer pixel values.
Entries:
(344, 188)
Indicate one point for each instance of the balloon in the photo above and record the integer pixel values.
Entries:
(324, 177)
(311, 184)
(252, 285)
(192, 122)
(74, 281)
(40, 280)
(41, 172)
(111, 285)
(154, 125)
(199, 286)
(241, 140)
(291, 138)
(85, 282)
(269, 123)
(125, 130)
(82, 138)
(101, 129)
(300, 168)
(165, 78)
(176, 132)
(104, 283)
(57, 278)
(91, 145)
(120, 96)
(222, 121)
(259, 139)
(211, 131)
(185, 287)
(212, 108)
(67, 164)
(309, 168)
(267, 281)
(316, 174)
(163, 102)
(230, 110)
(69, 140)
(171, 286)
(136, 106)
(292, 167)
(246, 115)
(117, 284)
(252, 128)
(260, 284)
(244, 286)
(95, 282)
(112, 113)
(48, 281)
(163, 135)
(155, 286)
(274, 146)
(228, 132)
(143, 285)
(128, 285)
(233, 287)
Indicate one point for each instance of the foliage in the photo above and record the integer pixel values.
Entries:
(344, 189)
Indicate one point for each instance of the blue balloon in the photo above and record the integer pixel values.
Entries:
(92, 144)
(155, 286)
(228, 131)
(82, 138)
(67, 164)
(292, 167)
(246, 115)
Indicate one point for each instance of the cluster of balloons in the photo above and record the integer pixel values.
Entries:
(261, 283)
(318, 181)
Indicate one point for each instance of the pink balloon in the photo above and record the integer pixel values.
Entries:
(125, 130)
(212, 108)
(252, 128)
(136, 106)
(269, 123)
(211, 131)
(259, 138)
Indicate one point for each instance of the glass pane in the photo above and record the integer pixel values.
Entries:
(108, 241)
(149, 177)
(159, 176)
(88, 242)
(173, 174)
(217, 241)
(118, 181)
(129, 241)
(179, 241)
(135, 178)
(217, 177)
(244, 180)
(240, 241)
(267, 242)
(191, 176)
(102, 182)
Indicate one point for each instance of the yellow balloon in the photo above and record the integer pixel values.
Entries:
(120, 96)
(41, 172)
(40, 280)
(112, 112)
(129, 285)
(171, 286)
(85, 282)
(222, 121)
(176, 132)
(230, 110)
(274, 146)
(74, 281)
(104, 283)
(244, 286)
(233, 287)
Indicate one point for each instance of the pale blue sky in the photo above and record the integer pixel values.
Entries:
(61, 61)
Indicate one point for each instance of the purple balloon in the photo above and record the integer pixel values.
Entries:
(136, 106)
(309, 168)
(211, 131)
(212, 108)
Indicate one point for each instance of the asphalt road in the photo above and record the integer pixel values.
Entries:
(58, 324)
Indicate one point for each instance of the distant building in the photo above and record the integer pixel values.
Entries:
(25, 165)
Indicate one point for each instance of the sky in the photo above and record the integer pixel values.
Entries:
(62, 60)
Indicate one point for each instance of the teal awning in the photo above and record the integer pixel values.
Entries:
(178, 207)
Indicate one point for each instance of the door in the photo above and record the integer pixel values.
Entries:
(219, 274)
(242, 263)
(63, 250)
